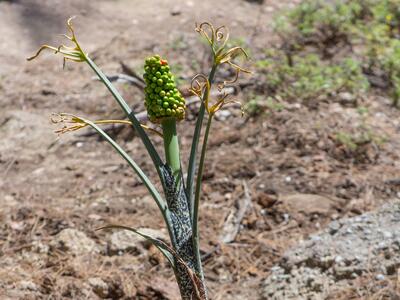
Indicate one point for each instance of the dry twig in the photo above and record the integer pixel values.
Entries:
(234, 219)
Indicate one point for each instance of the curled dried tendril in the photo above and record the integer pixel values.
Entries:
(218, 39)
(200, 87)
(71, 122)
(222, 101)
(74, 53)
(74, 123)
(229, 56)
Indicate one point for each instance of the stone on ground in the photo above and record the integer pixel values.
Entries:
(330, 260)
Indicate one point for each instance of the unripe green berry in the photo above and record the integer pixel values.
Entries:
(163, 99)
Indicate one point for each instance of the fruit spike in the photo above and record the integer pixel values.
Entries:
(162, 98)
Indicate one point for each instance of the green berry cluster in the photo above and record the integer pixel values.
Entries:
(163, 100)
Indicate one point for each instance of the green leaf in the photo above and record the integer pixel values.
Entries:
(196, 203)
(151, 188)
(172, 257)
(195, 142)
(166, 250)
(130, 114)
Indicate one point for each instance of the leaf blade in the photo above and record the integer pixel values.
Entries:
(146, 181)
(129, 113)
(195, 142)
(163, 247)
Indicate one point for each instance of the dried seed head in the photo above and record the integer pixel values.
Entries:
(162, 98)
(200, 87)
(74, 53)
(218, 39)
(70, 122)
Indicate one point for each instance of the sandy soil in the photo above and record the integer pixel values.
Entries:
(48, 184)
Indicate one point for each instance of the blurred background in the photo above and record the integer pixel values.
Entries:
(319, 142)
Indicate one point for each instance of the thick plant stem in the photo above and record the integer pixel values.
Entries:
(177, 203)
(171, 145)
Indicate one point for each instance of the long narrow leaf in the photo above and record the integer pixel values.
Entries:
(195, 142)
(153, 191)
(130, 114)
(172, 257)
(166, 250)
(197, 194)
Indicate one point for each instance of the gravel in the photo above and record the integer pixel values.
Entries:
(334, 257)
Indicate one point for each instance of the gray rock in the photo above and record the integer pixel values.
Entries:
(310, 204)
(328, 261)
(28, 286)
(334, 227)
(347, 99)
(222, 114)
(74, 241)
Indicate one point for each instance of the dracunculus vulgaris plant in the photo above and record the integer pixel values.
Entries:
(166, 107)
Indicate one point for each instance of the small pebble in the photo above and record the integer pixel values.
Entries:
(382, 245)
(338, 259)
(334, 227)
(387, 234)
(349, 231)
(286, 217)
(367, 231)
(316, 238)
(176, 11)
(222, 115)
(380, 277)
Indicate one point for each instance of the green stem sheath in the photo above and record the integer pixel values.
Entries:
(195, 142)
(197, 197)
(171, 146)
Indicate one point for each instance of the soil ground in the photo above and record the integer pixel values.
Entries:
(48, 184)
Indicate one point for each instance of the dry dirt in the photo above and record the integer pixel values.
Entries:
(49, 184)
